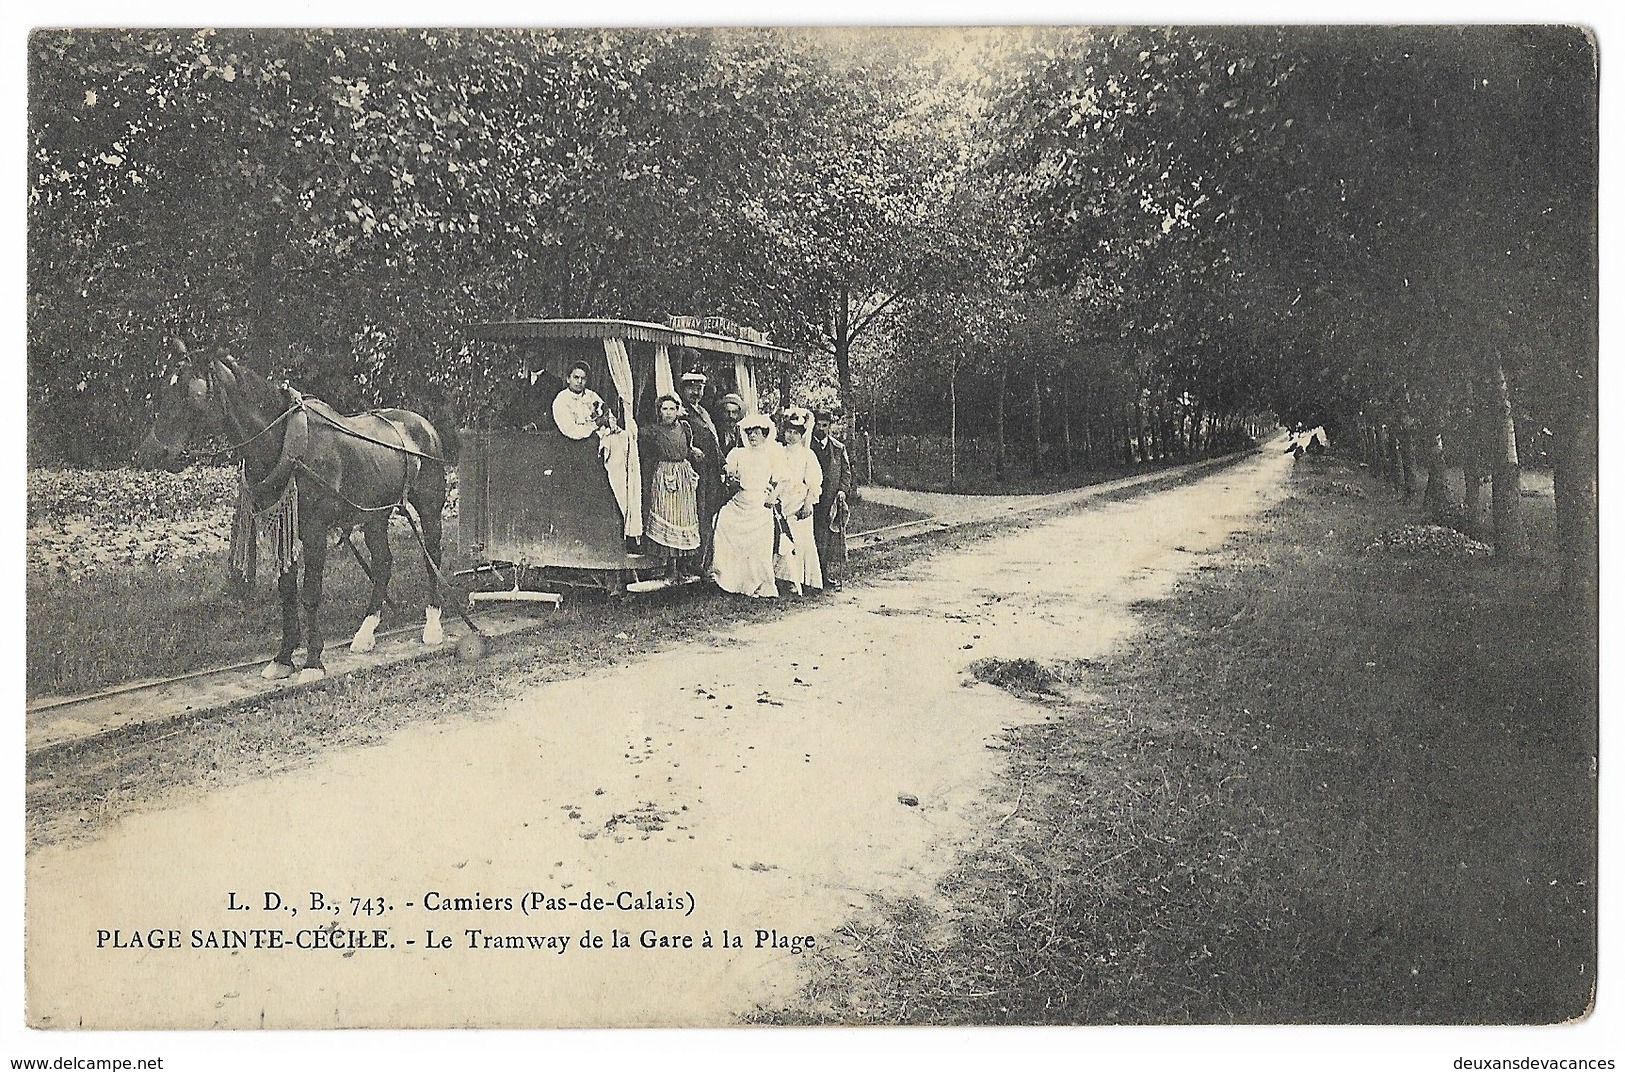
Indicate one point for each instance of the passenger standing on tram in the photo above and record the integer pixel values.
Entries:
(703, 434)
(831, 513)
(580, 413)
(745, 525)
(799, 490)
(670, 481)
(577, 410)
(730, 411)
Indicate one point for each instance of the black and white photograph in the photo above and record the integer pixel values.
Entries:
(1084, 527)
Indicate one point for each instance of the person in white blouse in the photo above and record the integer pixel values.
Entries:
(578, 411)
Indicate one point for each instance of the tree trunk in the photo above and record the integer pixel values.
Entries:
(998, 424)
(1385, 453)
(1140, 429)
(843, 347)
(1473, 474)
(1038, 427)
(1436, 497)
(953, 425)
(1130, 431)
(1574, 487)
(1066, 427)
(265, 343)
(1406, 444)
(1090, 433)
(1505, 504)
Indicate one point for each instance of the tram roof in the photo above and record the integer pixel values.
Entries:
(636, 330)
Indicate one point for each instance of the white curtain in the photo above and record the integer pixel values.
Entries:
(746, 380)
(621, 449)
(664, 384)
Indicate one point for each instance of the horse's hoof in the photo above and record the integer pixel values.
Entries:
(310, 674)
(365, 638)
(275, 671)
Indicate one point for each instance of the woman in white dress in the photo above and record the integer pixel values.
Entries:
(743, 559)
(799, 489)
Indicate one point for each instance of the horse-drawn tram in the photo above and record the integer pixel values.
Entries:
(551, 487)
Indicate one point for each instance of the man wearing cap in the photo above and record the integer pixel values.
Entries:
(832, 511)
(730, 411)
(703, 434)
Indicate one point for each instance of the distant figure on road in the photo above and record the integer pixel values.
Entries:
(1304, 442)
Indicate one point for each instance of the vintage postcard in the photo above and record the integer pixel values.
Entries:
(1040, 526)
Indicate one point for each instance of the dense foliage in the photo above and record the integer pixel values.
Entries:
(1091, 246)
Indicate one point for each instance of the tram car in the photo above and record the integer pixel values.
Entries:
(545, 509)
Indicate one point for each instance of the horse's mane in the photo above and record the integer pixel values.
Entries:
(265, 392)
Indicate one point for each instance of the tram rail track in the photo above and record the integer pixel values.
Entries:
(60, 721)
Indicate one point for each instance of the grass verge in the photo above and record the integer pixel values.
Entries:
(1327, 784)
(921, 463)
(134, 621)
(75, 790)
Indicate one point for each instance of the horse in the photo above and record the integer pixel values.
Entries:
(309, 470)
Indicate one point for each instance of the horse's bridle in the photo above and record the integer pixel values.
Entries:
(211, 390)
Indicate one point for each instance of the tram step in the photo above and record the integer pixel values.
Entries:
(516, 597)
(660, 582)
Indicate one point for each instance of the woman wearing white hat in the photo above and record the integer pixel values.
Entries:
(803, 481)
(742, 561)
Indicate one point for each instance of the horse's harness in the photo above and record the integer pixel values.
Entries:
(271, 503)
(272, 486)
(283, 507)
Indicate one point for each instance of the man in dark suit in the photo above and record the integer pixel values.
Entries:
(831, 513)
(702, 433)
(529, 407)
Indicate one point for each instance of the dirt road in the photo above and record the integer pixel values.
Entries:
(762, 784)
